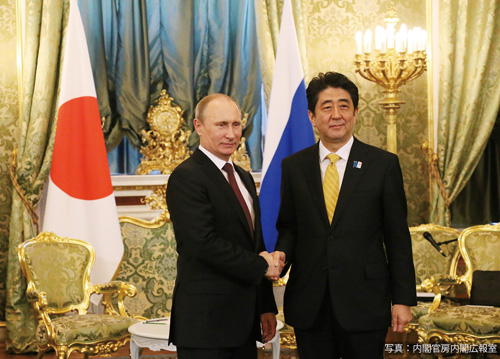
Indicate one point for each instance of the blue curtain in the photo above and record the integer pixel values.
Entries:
(189, 47)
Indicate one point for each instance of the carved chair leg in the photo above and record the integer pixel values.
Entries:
(62, 354)
(41, 353)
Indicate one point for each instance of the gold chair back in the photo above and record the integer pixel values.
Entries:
(150, 263)
(468, 325)
(480, 248)
(48, 258)
(427, 260)
(57, 271)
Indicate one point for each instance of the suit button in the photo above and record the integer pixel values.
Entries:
(330, 238)
(325, 268)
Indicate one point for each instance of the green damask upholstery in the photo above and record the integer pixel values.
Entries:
(480, 248)
(85, 328)
(48, 263)
(465, 319)
(423, 308)
(429, 262)
(150, 263)
(57, 271)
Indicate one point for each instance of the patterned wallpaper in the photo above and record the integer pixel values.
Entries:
(8, 119)
(331, 25)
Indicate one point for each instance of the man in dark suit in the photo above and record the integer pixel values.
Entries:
(349, 247)
(221, 295)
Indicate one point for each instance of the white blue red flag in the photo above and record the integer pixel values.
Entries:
(80, 202)
(288, 129)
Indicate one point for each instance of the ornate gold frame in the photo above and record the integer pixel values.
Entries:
(157, 222)
(39, 301)
(457, 337)
(437, 336)
(431, 284)
(166, 142)
(437, 227)
(467, 276)
(240, 156)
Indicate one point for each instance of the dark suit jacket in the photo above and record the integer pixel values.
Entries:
(220, 290)
(365, 256)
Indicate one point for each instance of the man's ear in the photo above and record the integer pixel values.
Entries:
(311, 118)
(197, 125)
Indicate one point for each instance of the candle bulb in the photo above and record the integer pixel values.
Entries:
(410, 41)
(368, 41)
(424, 40)
(399, 47)
(378, 37)
(390, 36)
(404, 36)
(416, 38)
(359, 42)
(383, 43)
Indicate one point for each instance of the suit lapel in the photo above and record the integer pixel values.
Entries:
(352, 177)
(313, 175)
(215, 175)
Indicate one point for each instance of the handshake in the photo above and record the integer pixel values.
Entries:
(276, 262)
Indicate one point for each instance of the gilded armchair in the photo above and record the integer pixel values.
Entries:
(469, 325)
(431, 266)
(57, 271)
(150, 264)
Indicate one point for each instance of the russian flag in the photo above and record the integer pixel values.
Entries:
(289, 129)
(80, 202)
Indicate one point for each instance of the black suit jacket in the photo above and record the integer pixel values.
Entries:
(364, 256)
(220, 290)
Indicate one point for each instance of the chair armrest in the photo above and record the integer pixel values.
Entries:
(116, 287)
(39, 301)
(33, 295)
(122, 289)
(447, 280)
(438, 285)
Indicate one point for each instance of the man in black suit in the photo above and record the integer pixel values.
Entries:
(221, 295)
(348, 266)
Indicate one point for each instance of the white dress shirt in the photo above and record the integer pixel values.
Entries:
(244, 192)
(341, 164)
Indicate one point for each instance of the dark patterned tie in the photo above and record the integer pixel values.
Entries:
(228, 168)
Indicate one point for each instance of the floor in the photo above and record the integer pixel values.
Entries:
(392, 352)
(124, 353)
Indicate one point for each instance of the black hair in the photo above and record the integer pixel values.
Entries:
(330, 79)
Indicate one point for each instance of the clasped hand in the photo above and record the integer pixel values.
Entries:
(276, 263)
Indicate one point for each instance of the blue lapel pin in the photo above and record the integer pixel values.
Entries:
(357, 164)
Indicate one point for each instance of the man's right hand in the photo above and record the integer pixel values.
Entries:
(279, 260)
(273, 272)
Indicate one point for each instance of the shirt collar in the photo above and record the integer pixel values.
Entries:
(216, 160)
(343, 152)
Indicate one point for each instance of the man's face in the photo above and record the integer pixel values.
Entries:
(334, 117)
(220, 130)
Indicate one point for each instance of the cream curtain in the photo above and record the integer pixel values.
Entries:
(268, 24)
(45, 21)
(469, 92)
(9, 113)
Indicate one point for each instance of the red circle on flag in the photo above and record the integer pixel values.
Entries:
(79, 163)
